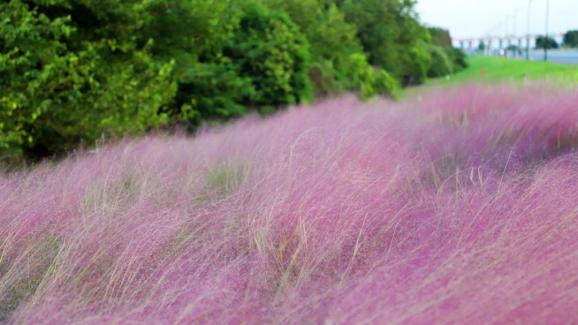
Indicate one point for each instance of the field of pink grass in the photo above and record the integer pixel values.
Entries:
(457, 206)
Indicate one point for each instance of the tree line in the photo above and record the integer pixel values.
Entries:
(570, 40)
(77, 71)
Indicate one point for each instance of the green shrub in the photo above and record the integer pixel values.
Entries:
(325, 78)
(571, 38)
(440, 37)
(440, 62)
(210, 92)
(270, 51)
(332, 42)
(31, 62)
(546, 42)
(193, 33)
(384, 83)
(62, 88)
(415, 64)
(370, 81)
(457, 57)
(391, 36)
(76, 71)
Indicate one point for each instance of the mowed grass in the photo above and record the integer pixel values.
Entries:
(494, 69)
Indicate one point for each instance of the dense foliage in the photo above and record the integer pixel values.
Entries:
(441, 64)
(73, 73)
(78, 71)
(457, 57)
(440, 37)
(546, 42)
(571, 38)
(446, 59)
(269, 49)
(391, 36)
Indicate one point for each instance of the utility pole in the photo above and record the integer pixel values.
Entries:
(547, 30)
(528, 30)
(515, 33)
(516, 21)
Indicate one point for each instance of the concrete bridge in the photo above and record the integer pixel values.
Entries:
(500, 44)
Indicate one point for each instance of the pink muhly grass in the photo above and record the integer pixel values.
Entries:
(458, 206)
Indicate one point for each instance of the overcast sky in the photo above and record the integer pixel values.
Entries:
(473, 18)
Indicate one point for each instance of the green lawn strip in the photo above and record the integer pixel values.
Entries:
(491, 69)
(498, 69)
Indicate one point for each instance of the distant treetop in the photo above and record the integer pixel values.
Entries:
(571, 38)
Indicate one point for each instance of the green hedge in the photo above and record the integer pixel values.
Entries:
(59, 90)
(441, 65)
(78, 71)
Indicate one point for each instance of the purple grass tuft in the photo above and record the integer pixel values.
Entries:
(459, 206)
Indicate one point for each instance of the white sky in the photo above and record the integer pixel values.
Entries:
(476, 18)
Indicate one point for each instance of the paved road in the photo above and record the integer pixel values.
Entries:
(558, 56)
